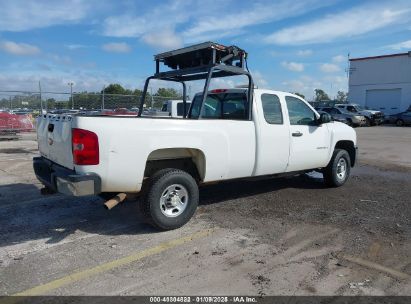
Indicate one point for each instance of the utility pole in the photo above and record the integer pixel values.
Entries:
(102, 101)
(41, 100)
(71, 94)
(151, 93)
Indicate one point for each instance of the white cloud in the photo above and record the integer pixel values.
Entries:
(75, 46)
(21, 15)
(259, 79)
(353, 22)
(117, 47)
(304, 53)
(329, 68)
(161, 17)
(57, 81)
(293, 66)
(203, 20)
(304, 85)
(166, 39)
(21, 49)
(401, 45)
(258, 13)
(61, 59)
(339, 58)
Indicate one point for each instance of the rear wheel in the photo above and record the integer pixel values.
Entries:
(171, 199)
(399, 123)
(338, 169)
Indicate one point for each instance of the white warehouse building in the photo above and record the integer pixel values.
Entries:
(381, 82)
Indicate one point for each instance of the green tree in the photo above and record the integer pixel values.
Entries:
(168, 92)
(116, 88)
(342, 96)
(51, 103)
(320, 95)
(299, 94)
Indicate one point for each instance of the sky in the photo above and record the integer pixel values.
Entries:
(294, 46)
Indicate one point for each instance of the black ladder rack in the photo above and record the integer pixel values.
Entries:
(201, 61)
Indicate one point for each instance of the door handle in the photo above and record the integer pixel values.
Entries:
(297, 134)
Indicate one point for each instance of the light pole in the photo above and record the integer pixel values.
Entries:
(102, 101)
(71, 94)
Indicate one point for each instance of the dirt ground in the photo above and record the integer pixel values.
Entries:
(289, 236)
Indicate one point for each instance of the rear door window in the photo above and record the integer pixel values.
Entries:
(221, 106)
(272, 109)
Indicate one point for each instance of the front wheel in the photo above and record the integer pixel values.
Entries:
(338, 169)
(171, 199)
(367, 122)
(399, 123)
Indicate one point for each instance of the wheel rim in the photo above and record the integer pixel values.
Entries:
(399, 123)
(174, 200)
(341, 169)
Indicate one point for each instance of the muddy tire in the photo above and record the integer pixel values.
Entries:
(170, 199)
(338, 170)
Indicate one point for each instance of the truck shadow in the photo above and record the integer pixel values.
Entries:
(25, 215)
(210, 194)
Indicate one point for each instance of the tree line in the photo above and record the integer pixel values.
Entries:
(321, 95)
(115, 95)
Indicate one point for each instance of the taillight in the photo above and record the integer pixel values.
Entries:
(85, 147)
(218, 91)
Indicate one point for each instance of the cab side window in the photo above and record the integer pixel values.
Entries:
(272, 109)
(299, 112)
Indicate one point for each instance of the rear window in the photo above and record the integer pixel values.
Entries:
(221, 106)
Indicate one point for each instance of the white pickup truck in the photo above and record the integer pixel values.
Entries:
(175, 107)
(168, 158)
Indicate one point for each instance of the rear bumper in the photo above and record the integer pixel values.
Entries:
(64, 180)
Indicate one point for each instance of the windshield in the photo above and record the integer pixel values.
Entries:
(221, 106)
(344, 111)
(359, 108)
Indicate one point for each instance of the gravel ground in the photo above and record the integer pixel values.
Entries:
(289, 236)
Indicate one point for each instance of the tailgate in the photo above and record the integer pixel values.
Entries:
(54, 138)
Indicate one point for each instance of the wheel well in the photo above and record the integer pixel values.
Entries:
(349, 147)
(190, 160)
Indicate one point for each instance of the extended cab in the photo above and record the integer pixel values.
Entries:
(226, 134)
(168, 159)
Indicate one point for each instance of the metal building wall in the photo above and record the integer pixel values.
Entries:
(383, 73)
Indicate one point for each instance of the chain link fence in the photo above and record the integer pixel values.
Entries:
(34, 101)
(18, 109)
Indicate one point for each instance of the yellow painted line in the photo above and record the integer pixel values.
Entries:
(83, 274)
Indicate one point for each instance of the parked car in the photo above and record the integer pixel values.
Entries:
(352, 119)
(372, 117)
(400, 119)
(339, 119)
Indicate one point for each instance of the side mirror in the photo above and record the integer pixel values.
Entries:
(324, 118)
